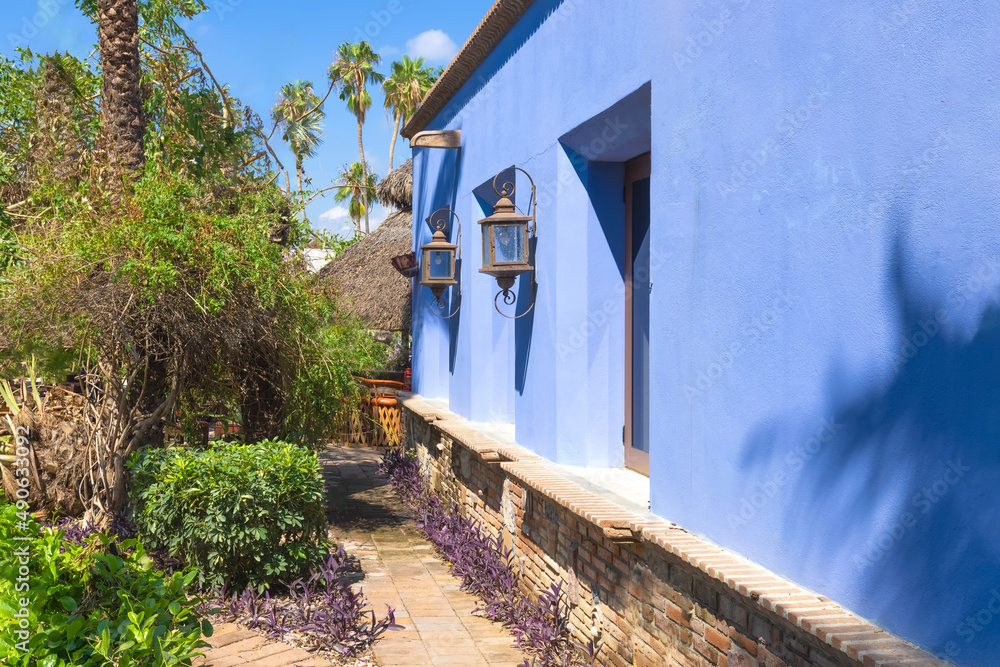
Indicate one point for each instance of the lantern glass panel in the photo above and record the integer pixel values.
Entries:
(439, 264)
(508, 243)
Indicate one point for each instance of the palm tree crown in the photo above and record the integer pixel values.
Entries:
(352, 69)
(357, 187)
(300, 114)
(404, 90)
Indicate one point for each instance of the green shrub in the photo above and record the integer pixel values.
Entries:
(89, 606)
(244, 515)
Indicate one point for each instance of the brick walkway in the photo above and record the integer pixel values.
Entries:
(435, 618)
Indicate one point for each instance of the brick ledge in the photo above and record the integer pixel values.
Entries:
(826, 620)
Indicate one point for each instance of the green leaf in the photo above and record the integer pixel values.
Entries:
(68, 603)
(105, 641)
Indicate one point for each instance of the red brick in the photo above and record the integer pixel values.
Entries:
(717, 640)
(678, 615)
(746, 643)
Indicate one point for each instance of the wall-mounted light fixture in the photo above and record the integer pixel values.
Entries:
(406, 264)
(438, 259)
(507, 237)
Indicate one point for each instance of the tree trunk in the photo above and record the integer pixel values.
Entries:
(395, 133)
(364, 175)
(59, 149)
(298, 174)
(121, 95)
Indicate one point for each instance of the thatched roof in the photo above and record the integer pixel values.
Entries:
(366, 282)
(396, 189)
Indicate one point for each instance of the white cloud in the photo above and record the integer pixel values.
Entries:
(433, 46)
(338, 221)
(334, 214)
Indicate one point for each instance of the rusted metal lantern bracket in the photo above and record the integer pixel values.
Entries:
(439, 259)
(507, 239)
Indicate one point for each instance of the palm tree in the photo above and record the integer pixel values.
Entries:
(300, 114)
(404, 90)
(358, 187)
(352, 69)
(121, 96)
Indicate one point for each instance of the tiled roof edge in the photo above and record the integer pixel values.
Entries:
(503, 15)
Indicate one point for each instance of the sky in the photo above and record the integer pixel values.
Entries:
(256, 46)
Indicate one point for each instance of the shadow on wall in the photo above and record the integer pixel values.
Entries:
(525, 324)
(441, 167)
(906, 476)
(448, 187)
(455, 320)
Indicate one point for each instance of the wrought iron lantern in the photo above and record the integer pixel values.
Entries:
(507, 237)
(438, 259)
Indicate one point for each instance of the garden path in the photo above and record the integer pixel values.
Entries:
(399, 569)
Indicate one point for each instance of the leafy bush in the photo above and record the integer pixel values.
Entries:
(321, 608)
(487, 569)
(244, 515)
(92, 601)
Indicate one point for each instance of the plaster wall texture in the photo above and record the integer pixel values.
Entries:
(825, 264)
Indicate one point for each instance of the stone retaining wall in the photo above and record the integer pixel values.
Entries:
(653, 593)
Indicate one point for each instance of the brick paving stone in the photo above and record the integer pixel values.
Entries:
(434, 620)
(435, 607)
(248, 644)
(220, 661)
(266, 651)
(232, 637)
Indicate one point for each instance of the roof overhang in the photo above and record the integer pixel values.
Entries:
(503, 16)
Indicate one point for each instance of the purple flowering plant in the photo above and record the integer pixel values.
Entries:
(488, 570)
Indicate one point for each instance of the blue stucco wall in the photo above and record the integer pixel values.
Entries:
(825, 348)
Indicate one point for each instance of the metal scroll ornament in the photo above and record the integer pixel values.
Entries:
(507, 241)
(439, 260)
